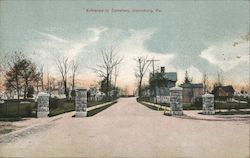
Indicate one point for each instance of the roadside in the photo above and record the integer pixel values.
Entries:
(197, 114)
(8, 127)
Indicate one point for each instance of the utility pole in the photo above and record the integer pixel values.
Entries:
(153, 65)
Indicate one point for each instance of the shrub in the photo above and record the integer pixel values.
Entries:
(28, 110)
(55, 103)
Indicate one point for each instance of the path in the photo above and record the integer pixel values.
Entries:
(129, 129)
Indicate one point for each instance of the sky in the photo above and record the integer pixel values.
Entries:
(195, 35)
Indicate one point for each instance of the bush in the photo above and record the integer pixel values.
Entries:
(30, 92)
(28, 110)
(55, 103)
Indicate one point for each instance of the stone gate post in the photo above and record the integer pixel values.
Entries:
(81, 103)
(208, 104)
(176, 101)
(42, 105)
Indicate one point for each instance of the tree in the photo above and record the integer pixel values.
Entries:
(30, 92)
(74, 68)
(141, 69)
(205, 82)
(13, 73)
(62, 64)
(187, 78)
(219, 80)
(29, 73)
(20, 73)
(105, 71)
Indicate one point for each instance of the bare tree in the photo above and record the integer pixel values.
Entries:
(41, 72)
(63, 66)
(219, 80)
(205, 82)
(141, 69)
(109, 61)
(74, 68)
(116, 73)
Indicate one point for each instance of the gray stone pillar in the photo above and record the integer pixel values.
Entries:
(81, 103)
(208, 104)
(176, 101)
(42, 105)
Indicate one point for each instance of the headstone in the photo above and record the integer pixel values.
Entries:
(81, 103)
(42, 105)
(176, 101)
(208, 104)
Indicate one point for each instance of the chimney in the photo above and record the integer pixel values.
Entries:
(162, 69)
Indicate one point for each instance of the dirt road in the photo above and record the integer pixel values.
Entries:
(129, 129)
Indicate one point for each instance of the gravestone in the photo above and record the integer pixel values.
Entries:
(81, 103)
(176, 101)
(208, 104)
(42, 105)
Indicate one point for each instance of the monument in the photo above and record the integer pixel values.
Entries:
(81, 103)
(176, 101)
(208, 104)
(42, 105)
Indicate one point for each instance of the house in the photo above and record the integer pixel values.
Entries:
(225, 93)
(191, 91)
(160, 83)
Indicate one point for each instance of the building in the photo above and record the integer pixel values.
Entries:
(191, 91)
(160, 83)
(225, 93)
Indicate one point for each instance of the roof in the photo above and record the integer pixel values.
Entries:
(224, 88)
(191, 85)
(168, 75)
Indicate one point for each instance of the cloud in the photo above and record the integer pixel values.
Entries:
(227, 56)
(53, 37)
(193, 72)
(133, 47)
(49, 46)
(96, 33)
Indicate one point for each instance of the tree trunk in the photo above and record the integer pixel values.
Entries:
(139, 91)
(73, 82)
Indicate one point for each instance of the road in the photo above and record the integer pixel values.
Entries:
(129, 129)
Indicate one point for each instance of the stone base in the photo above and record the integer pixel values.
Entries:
(176, 112)
(212, 112)
(81, 114)
(42, 114)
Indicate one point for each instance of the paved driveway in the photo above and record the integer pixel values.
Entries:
(129, 129)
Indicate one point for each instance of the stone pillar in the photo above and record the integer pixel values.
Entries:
(176, 101)
(208, 104)
(42, 105)
(81, 103)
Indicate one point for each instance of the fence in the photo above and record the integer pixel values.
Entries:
(15, 108)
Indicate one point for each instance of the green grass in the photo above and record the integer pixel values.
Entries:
(191, 107)
(92, 103)
(150, 106)
(4, 131)
(10, 109)
(232, 113)
(231, 105)
(95, 111)
(68, 106)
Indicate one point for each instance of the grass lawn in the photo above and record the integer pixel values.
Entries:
(232, 113)
(95, 111)
(10, 109)
(68, 106)
(150, 106)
